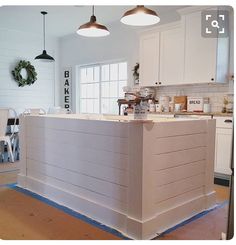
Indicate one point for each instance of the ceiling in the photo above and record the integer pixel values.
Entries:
(64, 20)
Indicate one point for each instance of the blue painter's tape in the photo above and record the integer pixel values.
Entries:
(197, 216)
(68, 211)
(96, 223)
(8, 185)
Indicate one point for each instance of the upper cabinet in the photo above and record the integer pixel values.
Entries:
(161, 56)
(171, 56)
(149, 59)
(206, 59)
(178, 54)
(200, 53)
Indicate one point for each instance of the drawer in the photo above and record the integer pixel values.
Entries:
(224, 122)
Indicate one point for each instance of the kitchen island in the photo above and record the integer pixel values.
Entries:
(138, 177)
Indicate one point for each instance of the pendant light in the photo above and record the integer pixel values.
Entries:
(44, 56)
(92, 28)
(140, 16)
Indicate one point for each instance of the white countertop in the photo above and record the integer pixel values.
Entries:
(117, 118)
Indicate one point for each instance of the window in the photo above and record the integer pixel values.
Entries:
(101, 86)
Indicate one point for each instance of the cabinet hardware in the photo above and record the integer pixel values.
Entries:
(156, 83)
(212, 79)
(228, 121)
(159, 82)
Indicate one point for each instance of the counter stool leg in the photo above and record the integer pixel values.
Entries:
(10, 149)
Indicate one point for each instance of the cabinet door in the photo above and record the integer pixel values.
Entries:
(200, 53)
(149, 59)
(223, 150)
(172, 56)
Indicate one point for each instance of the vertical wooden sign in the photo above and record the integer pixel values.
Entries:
(67, 92)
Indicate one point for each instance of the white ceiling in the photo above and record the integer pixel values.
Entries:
(64, 20)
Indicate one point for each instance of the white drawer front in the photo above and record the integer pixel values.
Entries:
(224, 122)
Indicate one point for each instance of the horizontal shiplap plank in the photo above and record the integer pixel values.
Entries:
(81, 192)
(179, 187)
(41, 74)
(74, 163)
(23, 104)
(173, 159)
(77, 139)
(26, 91)
(38, 147)
(175, 128)
(109, 128)
(102, 187)
(166, 176)
(178, 200)
(22, 99)
(45, 84)
(177, 143)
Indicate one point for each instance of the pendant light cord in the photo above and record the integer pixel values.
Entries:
(44, 31)
(93, 10)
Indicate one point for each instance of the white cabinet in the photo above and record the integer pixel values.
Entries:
(149, 59)
(177, 53)
(162, 56)
(172, 56)
(223, 145)
(200, 53)
(206, 59)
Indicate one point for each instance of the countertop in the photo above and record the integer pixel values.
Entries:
(116, 118)
(216, 114)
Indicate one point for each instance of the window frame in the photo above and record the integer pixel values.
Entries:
(99, 64)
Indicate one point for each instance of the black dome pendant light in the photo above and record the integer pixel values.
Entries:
(44, 56)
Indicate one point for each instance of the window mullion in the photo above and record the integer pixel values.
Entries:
(110, 97)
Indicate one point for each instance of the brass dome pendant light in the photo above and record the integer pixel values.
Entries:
(44, 56)
(140, 16)
(92, 28)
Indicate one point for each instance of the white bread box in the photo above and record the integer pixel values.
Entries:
(195, 104)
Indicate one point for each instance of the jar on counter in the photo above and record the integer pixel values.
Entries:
(164, 103)
(140, 111)
(171, 106)
(152, 107)
(206, 108)
(158, 108)
(128, 110)
(206, 105)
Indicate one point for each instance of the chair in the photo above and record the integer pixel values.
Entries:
(6, 139)
(34, 111)
(59, 110)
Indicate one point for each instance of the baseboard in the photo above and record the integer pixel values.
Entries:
(126, 225)
(176, 215)
(91, 209)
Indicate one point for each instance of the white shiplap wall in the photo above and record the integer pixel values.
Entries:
(16, 46)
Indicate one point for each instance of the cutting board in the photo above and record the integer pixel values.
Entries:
(181, 100)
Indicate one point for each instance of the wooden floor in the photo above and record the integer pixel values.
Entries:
(26, 218)
(209, 226)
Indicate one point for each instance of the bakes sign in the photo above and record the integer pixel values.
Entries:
(67, 87)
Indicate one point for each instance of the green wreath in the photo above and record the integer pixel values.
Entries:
(31, 73)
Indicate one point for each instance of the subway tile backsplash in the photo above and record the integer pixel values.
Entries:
(216, 92)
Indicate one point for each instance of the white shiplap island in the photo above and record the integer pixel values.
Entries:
(140, 178)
